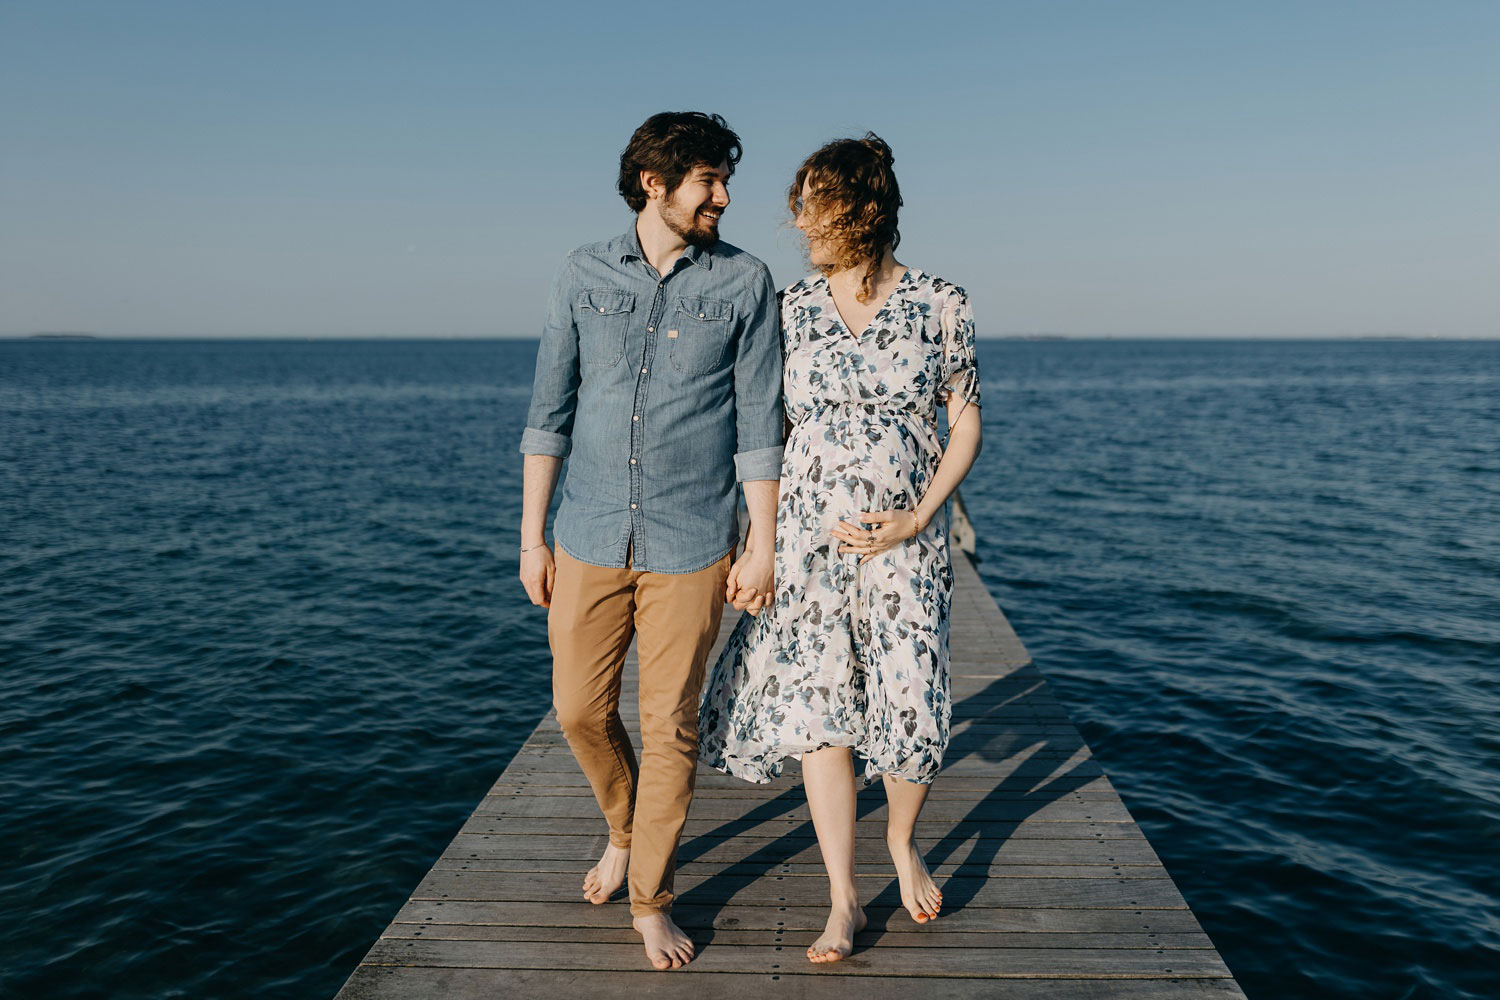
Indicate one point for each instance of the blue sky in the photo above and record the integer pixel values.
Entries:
(383, 169)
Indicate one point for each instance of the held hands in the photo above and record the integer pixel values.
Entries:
(537, 572)
(750, 585)
(876, 531)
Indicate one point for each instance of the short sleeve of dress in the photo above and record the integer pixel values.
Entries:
(960, 369)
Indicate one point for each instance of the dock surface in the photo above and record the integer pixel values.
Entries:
(1050, 890)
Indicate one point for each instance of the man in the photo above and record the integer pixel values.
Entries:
(659, 375)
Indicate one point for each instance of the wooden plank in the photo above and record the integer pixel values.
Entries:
(925, 937)
(776, 851)
(951, 786)
(958, 892)
(803, 919)
(441, 983)
(1046, 809)
(943, 870)
(548, 733)
(996, 963)
(1090, 790)
(793, 830)
(997, 711)
(1033, 752)
(1051, 891)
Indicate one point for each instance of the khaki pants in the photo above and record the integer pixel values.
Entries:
(675, 618)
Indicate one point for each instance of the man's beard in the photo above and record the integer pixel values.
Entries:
(692, 232)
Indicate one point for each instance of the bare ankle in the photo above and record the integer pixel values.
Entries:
(844, 900)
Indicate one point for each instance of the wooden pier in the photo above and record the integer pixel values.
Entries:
(1050, 890)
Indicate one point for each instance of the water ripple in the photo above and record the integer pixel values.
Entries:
(263, 648)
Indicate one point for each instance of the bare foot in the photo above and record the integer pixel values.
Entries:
(919, 894)
(666, 946)
(844, 921)
(605, 878)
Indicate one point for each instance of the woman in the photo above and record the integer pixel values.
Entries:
(850, 655)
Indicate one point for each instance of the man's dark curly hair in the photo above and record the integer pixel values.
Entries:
(671, 144)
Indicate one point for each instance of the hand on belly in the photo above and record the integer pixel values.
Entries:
(870, 533)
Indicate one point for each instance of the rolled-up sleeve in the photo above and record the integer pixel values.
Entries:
(757, 387)
(554, 389)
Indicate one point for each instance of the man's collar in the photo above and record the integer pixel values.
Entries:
(700, 256)
(630, 246)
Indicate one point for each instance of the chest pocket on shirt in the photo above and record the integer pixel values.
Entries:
(603, 315)
(703, 326)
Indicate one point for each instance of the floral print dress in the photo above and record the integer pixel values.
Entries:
(849, 654)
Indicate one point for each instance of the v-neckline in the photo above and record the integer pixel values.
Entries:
(859, 337)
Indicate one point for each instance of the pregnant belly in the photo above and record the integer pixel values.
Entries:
(845, 466)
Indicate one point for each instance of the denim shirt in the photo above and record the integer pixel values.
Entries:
(663, 391)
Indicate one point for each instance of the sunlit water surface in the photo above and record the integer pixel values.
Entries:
(262, 648)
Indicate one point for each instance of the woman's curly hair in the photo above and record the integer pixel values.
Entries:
(855, 201)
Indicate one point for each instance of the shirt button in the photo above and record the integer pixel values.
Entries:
(632, 506)
(643, 371)
(636, 417)
(632, 461)
(650, 329)
(601, 308)
(700, 315)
